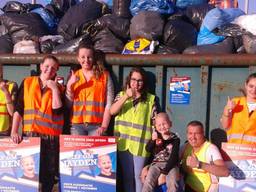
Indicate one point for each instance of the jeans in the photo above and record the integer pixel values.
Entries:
(84, 129)
(49, 159)
(131, 167)
(153, 174)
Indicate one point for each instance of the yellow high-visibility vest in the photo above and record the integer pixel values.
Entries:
(133, 126)
(4, 115)
(198, 180)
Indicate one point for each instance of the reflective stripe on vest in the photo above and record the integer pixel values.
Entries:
(38, 116)
(192, 179)
(242, 130)
(133, 126)
(43, 115)
(4, 115)
(89, 99)
(240, 137)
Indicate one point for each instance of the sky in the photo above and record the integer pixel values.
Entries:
(252, 4)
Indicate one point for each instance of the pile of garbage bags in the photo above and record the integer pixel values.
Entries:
(127, 27)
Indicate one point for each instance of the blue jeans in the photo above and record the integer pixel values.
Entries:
(84, 129)
(154, 172)
(131, 167)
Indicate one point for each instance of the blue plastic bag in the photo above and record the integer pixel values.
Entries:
(215, 18)
(108, 2)
(185, 3)
(49, 19)
(161, 188)
(218, 17)
(161, 6)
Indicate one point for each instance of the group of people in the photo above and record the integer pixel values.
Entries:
(148, 152)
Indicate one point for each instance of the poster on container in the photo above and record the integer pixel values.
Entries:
(241, 162)
(180, 90)
(19, 165)
(87, 163)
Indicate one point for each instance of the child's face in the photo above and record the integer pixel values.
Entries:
(85, 58)
(28, 166)
(163, 125)
(105, 164)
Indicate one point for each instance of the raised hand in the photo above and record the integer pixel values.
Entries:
(154, 135)
(3, 86)
(192, 161)
(51, 84)
(230, 104)
(72, 80)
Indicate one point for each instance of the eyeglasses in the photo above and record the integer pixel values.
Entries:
(139, 81)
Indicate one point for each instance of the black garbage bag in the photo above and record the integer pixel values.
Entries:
(107, 42)
(121, 8)
(148, 25)
(229, 30)
(14, 6)
(249, 41)
(18, 7)
(63, 5)
(54, 11)
(72, 45)
(117, 25)
(49, 42)
(86, 11)
(196, 13)
(163, 49)
(224, 47)
(48, 46)
(6, 44)
(24, 26)
(179, 34)
(3, 30)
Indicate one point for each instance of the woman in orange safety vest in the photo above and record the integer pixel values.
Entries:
(89, 94)
(39, 107)
(239, 115)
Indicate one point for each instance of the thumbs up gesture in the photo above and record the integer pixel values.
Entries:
(192, 161)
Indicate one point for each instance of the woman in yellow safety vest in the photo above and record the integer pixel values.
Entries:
(239, 115)
(134, 109)
(8, 92)
(89, 94)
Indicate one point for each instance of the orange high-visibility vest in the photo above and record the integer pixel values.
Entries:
(89, 99)
(243, 126)
(38, 116)
(4, 115)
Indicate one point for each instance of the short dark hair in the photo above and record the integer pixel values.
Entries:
(55, 59)
(196, 123)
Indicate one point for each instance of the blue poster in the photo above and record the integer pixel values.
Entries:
(87, 163)
(180, 90)
(19, 165)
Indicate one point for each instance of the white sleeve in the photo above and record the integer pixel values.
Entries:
(213, 154)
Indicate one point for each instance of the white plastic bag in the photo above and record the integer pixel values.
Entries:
(26, 46)
(247, 22)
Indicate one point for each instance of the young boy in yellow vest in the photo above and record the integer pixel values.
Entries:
(164, 147)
